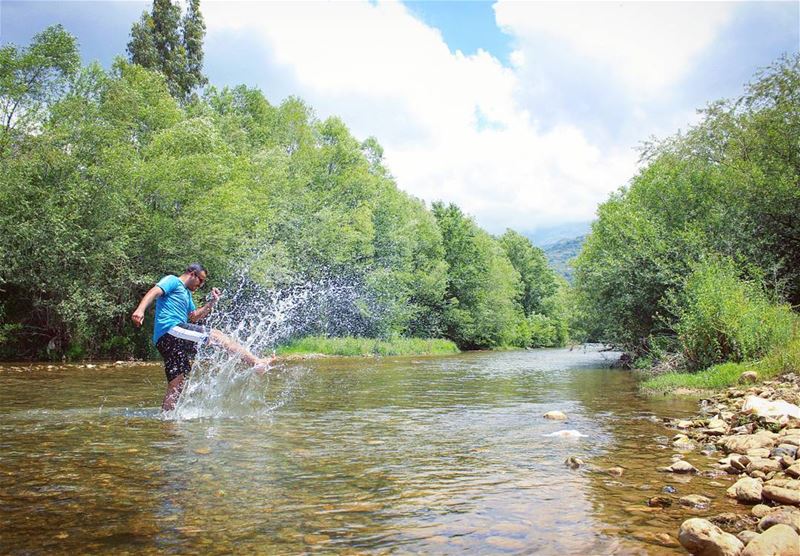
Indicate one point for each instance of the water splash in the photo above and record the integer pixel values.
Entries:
(258, 318)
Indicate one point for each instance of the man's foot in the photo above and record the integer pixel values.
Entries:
(264, 364)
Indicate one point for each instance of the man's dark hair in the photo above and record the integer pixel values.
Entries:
(196, 268)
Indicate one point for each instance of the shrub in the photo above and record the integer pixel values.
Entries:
(721, 317)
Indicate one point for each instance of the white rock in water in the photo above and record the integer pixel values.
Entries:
(555, 415)
(770, 408)
(569, 433)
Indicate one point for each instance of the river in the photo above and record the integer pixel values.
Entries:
(444, 455)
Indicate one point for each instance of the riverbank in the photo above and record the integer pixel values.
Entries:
(756, 430)
(781, 360)
(353, 347)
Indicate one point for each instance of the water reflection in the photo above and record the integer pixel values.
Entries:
(441, 455)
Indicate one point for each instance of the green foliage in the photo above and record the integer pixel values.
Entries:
(121, 184)
(164, 41)
(350, 346)
(538, 279)
(722, 318)
(483, 287)
(31, 78)
(727, 188)
(782, 359)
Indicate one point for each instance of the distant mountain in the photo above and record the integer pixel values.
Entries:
(560, 253)
(543, 237)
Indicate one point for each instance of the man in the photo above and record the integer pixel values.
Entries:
(176, 336)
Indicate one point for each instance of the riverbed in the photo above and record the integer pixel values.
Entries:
(444, 455)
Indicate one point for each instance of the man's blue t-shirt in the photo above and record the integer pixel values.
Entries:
(173, 307)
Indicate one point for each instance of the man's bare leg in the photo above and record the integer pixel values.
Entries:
(174, 389)
(229, 344)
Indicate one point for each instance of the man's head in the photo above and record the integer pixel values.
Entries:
(197, 276)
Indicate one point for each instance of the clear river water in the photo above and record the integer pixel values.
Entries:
(435, 455)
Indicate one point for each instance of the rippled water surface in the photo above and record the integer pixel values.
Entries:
(441, 455)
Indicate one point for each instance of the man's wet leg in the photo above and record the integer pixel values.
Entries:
(174, 389)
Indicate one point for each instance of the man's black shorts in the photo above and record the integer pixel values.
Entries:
(179, 346)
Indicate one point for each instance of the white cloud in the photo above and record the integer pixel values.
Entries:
(386, 72)
(648, 45)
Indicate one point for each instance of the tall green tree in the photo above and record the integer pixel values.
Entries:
(173, 45)
(31, 78)
(538, 279)
(481, 308)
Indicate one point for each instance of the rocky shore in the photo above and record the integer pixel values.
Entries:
(755, 428)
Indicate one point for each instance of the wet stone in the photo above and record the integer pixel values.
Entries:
(660, 502)
(555, 415)
(573, 462)
(696, 501)
(683, 467)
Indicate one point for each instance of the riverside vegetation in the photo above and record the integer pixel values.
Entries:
(697, 262)
(111, 179)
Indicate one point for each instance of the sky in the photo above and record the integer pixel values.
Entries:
(525, 114)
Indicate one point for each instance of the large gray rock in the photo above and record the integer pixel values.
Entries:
(746, 490)
(780, 540)
(784, 450)
(744, 442)
(785, 515)
(703, 538)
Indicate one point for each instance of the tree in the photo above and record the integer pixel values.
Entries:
(172, 45)
(32, 78)
(538, 279)
(481, 309)
(728, 188)
(194, 31)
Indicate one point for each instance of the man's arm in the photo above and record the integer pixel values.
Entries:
(138, 315)
(205, 310)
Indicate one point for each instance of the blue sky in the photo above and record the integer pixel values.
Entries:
(526, 114)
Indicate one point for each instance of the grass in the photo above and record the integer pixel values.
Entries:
(350, 346)
(782, 359)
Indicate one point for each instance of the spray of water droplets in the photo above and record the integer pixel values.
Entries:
(221, 385)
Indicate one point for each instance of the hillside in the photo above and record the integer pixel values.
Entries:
(560, 253)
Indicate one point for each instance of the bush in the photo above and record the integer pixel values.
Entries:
(782, 359)
(723, 318)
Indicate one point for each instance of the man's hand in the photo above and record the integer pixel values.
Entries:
(215, 295)
(138, 317)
